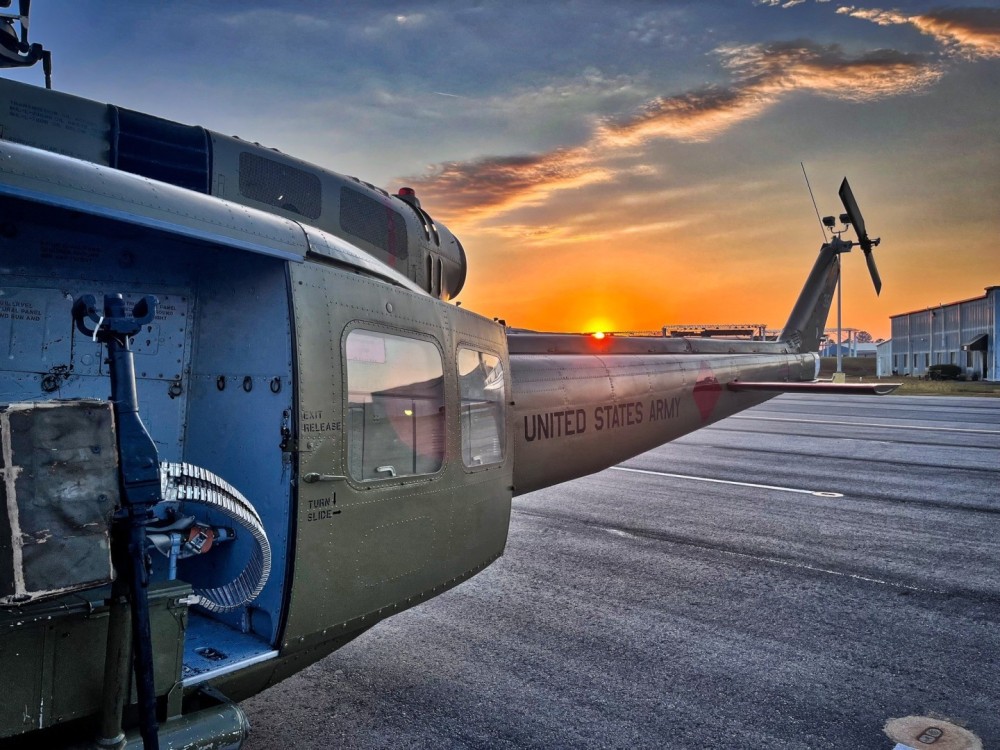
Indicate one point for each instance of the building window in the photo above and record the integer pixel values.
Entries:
(483, 399)
(395, 406)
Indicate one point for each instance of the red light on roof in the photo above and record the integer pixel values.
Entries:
(406, 191)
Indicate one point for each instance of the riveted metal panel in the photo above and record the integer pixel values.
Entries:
(53, 654)
(366, 549)
(603, 408)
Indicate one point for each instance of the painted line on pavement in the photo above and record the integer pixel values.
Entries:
(729, 481)
(869, 424)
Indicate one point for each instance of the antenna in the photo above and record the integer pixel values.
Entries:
(822, 226)
(15, 51)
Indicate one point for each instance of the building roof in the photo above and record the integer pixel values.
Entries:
(947, 304)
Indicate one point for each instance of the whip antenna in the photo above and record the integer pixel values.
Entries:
(822, 227)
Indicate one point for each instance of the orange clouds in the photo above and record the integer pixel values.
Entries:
(765, 73)
(972, 32)
(975, 31)
(478, 190)
(781, 67)
(472, 190)
(691, 116)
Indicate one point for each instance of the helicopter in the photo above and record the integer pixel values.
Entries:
(304, 435)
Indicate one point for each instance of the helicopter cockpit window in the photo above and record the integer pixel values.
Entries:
(395, 406)
(480, 377)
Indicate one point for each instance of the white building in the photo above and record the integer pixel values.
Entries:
(960, 333)
(883, 364)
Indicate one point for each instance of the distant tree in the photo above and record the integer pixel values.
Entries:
(863, 337)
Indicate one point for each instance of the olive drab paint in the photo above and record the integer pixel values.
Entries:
(307, 354)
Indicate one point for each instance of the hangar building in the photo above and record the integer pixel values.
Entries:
(961, 333)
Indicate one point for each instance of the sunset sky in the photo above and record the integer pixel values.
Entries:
(606, 165)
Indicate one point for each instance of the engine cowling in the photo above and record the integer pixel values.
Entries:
(395, 229)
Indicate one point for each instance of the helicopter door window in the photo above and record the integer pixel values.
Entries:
(395, 408)
(480, 377)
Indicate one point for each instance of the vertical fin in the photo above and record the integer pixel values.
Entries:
(805, 325)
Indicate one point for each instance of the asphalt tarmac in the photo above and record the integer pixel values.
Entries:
(792, 577)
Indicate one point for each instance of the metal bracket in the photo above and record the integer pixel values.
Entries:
(313, 476)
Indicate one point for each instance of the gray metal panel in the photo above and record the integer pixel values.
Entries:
(601, 409)
(55, 121)
(223, 313)
(243, 343)
(331, 247)
(440, 527)
(226, 155)
(993, 355)
(55, 180)
(529, 342)
(937, 334)
(47, 357)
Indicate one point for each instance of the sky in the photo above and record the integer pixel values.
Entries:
(607, 166)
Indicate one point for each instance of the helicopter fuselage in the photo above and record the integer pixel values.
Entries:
(305, 352)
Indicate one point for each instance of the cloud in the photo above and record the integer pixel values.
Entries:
(974, 31)
(657, 28)
(389, 23)
(761, 75)
(692, 116)
(591, 86)
(880, 17)
(412, 19)
(549, 235)
(493, 185)
(782, 67)
(970, 32)
(275, 19)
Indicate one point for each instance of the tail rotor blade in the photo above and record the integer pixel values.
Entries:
(864, 241)
(873, 270)
(851, 207)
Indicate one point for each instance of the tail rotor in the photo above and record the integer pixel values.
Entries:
(853, 216)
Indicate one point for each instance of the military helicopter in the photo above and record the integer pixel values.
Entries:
(303, 436)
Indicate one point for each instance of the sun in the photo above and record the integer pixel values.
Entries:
(597, 324)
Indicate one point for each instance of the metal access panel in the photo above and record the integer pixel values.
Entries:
(52, 654)
(37, 336)
(46, 357)
(60, 486)
(55, 121)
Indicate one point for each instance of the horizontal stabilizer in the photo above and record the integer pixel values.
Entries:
(860, 389)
